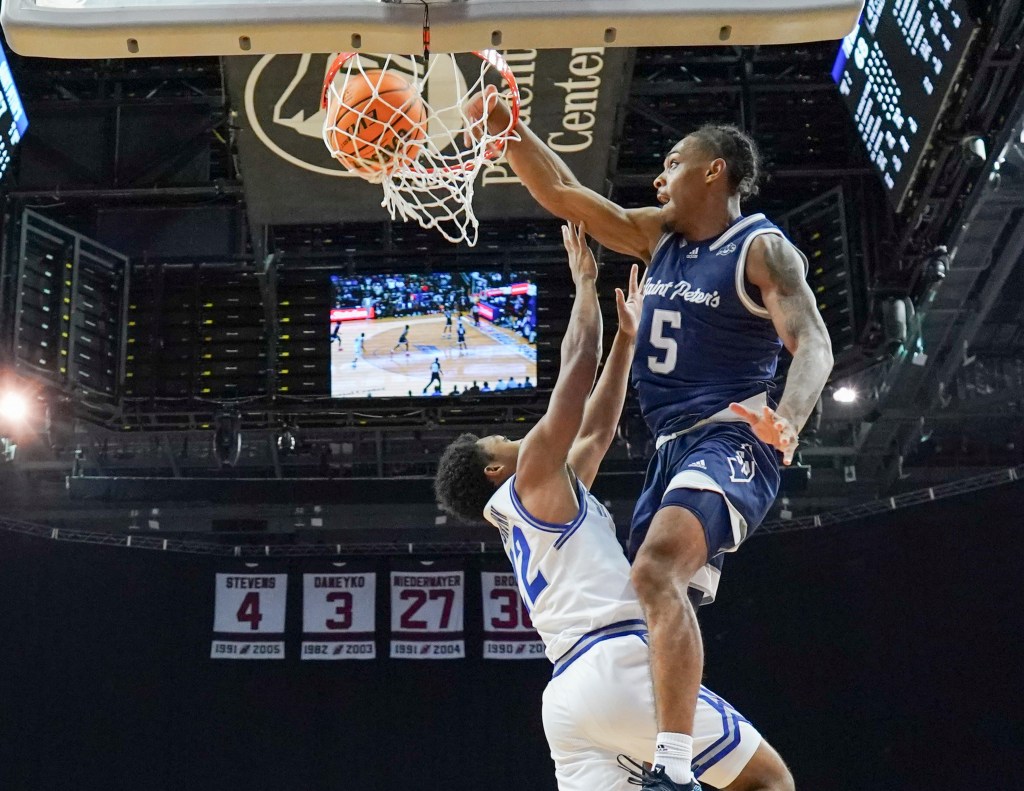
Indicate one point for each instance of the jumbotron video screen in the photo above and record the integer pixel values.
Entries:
(429, 335)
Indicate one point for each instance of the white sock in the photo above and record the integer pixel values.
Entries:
(674, 751)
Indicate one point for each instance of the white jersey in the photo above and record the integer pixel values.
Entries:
(573, 577)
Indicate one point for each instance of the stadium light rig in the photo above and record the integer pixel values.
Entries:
(845, 395)
(13, 407)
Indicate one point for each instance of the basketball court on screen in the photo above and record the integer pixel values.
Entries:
(491, 353)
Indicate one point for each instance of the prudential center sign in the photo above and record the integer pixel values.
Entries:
(569, 98)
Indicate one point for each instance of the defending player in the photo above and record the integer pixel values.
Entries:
(723, 294)
(403, 338)
(461, 335)
(447, 322)
(572, 573)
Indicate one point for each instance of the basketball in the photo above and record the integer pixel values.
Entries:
(381, 113)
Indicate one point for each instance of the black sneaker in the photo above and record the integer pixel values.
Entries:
(655, 779)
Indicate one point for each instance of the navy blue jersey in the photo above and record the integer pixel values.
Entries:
(705, 340)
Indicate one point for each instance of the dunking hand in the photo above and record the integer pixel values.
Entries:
(772, 429)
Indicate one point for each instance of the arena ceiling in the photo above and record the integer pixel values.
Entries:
(148, 147)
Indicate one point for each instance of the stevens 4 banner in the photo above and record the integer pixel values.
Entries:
(248, 618)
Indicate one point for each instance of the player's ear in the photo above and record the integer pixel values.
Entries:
(493, 469)
(715, 170)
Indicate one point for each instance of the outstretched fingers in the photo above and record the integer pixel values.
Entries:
(748, 415)
(634, 282)
(567, 239)
(771, 429)
(574, 237)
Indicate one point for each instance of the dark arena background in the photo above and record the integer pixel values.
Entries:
(221, 562)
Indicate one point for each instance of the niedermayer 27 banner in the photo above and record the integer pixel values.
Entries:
(569, 98)
(427, 612)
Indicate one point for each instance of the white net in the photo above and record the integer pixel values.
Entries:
(404, 122)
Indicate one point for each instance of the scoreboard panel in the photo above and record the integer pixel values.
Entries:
(894, 71)
(13, 121)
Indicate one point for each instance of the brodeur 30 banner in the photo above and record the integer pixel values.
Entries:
(568, 97)
(508, 630)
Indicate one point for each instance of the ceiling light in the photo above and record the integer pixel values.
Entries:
(845, 395)
(13, 406)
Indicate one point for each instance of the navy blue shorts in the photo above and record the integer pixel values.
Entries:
(725, 476)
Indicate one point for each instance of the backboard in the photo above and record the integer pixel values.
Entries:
(149, 28)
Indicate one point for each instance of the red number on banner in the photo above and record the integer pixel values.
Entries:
(449, 600)
(420, 598)
(249, 611)
(508, 609)
(514, 616)
(343, 610)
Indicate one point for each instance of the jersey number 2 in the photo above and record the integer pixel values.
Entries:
(531, 588)
(665, 344)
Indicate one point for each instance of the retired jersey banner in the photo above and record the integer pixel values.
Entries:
(569, 97)
(339, 616)
(249, 613)
(508, 631)
(427, 613)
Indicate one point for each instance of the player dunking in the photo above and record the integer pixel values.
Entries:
(403, 338)
(572, 573)
(723, 294)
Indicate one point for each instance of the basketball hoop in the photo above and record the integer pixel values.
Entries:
(429, 153)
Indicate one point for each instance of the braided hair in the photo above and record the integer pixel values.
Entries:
(461, 486)
(742, 159)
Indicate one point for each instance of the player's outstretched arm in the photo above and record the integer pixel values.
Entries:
(604, 408)
(775, 267)
(633, 232)
(541, 478)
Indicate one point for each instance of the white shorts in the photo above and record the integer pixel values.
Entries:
(602, 704)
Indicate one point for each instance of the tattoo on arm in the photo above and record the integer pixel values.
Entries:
(802, 329)
(787, 273)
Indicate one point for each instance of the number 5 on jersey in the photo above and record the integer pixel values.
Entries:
(660, 321)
